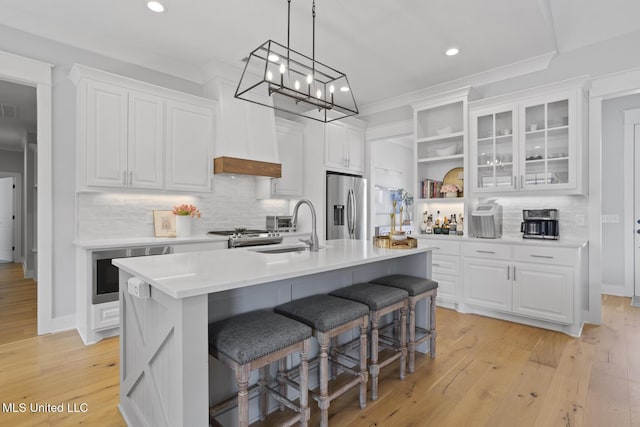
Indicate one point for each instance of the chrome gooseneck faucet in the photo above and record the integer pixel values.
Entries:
(313, 241)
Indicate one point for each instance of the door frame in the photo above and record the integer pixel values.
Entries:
(30, 72)
(632, 157)
(18, 255)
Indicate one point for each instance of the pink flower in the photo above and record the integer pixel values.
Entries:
(449, 188)
(185, 210)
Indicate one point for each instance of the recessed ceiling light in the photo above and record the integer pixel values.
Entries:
(273, 57)
(344, 89)
(156, 6)
(452, 51)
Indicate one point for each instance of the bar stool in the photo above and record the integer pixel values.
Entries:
(418, 288)
(381, 300)
(329, 317)
(252, 341)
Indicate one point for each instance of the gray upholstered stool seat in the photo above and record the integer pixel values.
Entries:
(252, 341)
(413, 285)
(329, 317)
(322, 312)
(381, 300)
(418, 288)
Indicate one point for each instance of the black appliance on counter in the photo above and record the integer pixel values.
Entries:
(540, 224)
(241, 237)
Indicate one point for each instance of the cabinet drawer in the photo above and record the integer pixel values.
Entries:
(446, 264)
(442, 247)
(487, 250)
(106, 315)
(545, 255)
(447, 287)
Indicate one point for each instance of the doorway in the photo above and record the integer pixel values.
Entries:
(632, 138)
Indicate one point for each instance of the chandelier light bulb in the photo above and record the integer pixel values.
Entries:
(319, 94)
(297, 85)
(332, 89)
(283, 68)
(269, 75)
(309, 79)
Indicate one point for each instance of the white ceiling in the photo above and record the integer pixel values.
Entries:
(386, 47)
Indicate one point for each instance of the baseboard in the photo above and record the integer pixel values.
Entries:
(614, 290)
(61, 323)
(635, 301)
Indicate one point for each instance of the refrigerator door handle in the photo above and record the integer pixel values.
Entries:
(351, 213)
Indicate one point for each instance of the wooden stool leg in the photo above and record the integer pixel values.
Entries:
(363, 362)
(323, 400)
(282, 368)
(432, 326)
(305, 412)
(374, 369)
(334, 354)
(412, 335)
(263, 381)
(242, 378)
(396, 324)
(403, 342)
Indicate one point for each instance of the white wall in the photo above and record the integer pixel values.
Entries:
(13, 162)
(614, 188)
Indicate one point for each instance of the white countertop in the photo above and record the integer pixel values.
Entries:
(196, 273)
(562, 242)
(125, 242)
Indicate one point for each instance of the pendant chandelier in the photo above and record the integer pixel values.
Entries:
(279, 77)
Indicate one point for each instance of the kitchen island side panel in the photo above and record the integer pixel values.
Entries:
(163, 358)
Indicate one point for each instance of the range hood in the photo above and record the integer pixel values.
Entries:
(246, 167)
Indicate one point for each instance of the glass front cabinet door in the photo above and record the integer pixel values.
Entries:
(531, 145)
(548, 158)
(494, 157)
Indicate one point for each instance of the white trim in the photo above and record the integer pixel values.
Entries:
(35, 73)
(593, 313)
(505, 72)
(631, 120)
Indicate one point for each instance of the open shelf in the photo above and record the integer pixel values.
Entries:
(439, 159)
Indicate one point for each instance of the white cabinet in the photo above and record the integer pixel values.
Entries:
(446, 262)
(290, 137)
(188, 147)
(538, 282)
(530, 144)
(145, 140)
(344, 147)
(105, 143)
(135, 135)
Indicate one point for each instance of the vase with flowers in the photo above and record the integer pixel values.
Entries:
(184, 214)
(450, 190)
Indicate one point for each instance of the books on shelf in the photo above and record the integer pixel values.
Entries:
(431, 189)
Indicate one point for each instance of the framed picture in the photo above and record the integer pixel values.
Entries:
(164, 223)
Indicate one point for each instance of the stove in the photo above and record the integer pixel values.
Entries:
(241, 237)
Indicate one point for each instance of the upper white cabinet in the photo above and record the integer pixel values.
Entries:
(246, 130)
(290, 138)
(531, 144)
(188, 161)
(134, 135)
(344, 147)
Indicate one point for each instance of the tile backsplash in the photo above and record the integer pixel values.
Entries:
(570, 208)
(232, 204)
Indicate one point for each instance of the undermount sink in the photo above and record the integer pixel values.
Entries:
(284, 249)
(280, 250)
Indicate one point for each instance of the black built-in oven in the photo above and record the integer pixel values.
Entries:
(106, 275)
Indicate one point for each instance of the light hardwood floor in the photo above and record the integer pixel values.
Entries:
(487, 373)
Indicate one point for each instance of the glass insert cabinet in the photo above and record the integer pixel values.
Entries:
(529, 145)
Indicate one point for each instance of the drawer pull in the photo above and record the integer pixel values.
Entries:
(485, 252)
(514, 273)
(542, 256)
(507, 272)
(436, 248)
(435, 265)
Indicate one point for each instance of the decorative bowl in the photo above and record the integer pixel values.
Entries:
(446, 150)
(444, 131)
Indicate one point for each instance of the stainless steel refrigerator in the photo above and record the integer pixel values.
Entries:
(346, 207)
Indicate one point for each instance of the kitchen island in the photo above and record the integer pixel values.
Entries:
(165, 375)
